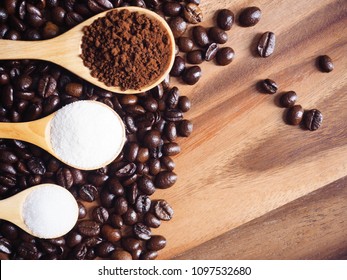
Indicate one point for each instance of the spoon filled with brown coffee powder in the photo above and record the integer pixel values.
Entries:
(124, 50)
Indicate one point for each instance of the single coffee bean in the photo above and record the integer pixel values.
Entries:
(225, 19)
(88, 193)
(156, 243)
(5, 246)
(269, 86)
(195, 57)
(170, 131)
(79, 252)
(126, 170)
(120, 205)
(154, 167)
(211, 52)
(74, 89)
(8, 156)
(249, 16)
(200, 36)
(110, 234)
(145, 184)
(185, 44)
(165, 179)
(116, 221)
(192, 75)
(130, 244)
(178, 67)
(82, 211)
(142, 155)
(130, 217)
(143, 204)
(266, 44)
(171, 149)
(172, 9)
(152, 139)
(7, 168)
(150, 104)
(50, 30)
(36, 166)
(295, 114)
(325, 63)
(225, 56)
(47, 86)
(313, 119)
(172, 98)
(173, 115)
(121, 255)
(73, 238)
(142, 231)
(132, 193)
(88, 228)
(151, 220)
(218, 35)
(288, 99)
(28, 251)
(104, 249)
(184, 103)
(150, 255)
(163, 210)
(131, 151)
(64, 177)
(100, 214)
(192, 13)
(178, 26)
(185, 128)
(58, 15)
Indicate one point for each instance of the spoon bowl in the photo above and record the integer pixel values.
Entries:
(47, 222)
(65, 50)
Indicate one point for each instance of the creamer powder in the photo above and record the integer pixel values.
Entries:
(50, 211)
(87, 134)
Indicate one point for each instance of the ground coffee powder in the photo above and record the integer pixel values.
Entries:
(125, 49)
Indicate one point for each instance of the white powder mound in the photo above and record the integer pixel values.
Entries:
(87, 134)
(50, 211)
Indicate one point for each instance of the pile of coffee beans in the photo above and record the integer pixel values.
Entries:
(116, 211)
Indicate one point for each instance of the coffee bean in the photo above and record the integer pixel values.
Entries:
(73, 238)
(325, 63)
(313, 119)
(64, 178)
(5, 246)
(184, 103)
(192, 13)
(74, 89)
(100, 214)
(28, 251)
(110, 234)
(4, 78)
(185, 44)
(58, 15)
(170, 131)
(192, 75)
(288, 99)
(211, 52)
(150, 104)
(145, 185)
(7, 168)
(116, 221)
(120, 205)
(47, 86)
(126, 170)
(121, 255)
(171, 149)
(8, 156)
(82, 211)
(269, 86)
(142, 231)
(165, 179)
(249, 16)
(36, 166)
(178, 26)
(172, 98)
(51, 104)
(185, 128)
(295, 114)
(156, 243)
(142, 155)
(152, 139)
(130, 244)
(173, 115)
(200, 36)
(225, 19)
(88, 228)
(7, 96)
(72, 19)
(225, 56)
(98, 6)
(132, 193)
(50, 30)
(195, 57)
(218, 35)
(130, 217)
(266, 44)
(150, 255)
(178, 67)
(88, 193)
(104, 249)
(143, 203)
(151, 220)
(163, 210)
(172, 9)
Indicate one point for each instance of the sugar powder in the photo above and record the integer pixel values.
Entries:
(87, 134)
(50, 211)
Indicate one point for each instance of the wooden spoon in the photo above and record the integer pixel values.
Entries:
(38, 133)
(65, 50)
(12, 209)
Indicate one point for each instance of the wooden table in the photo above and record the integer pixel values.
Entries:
(251, 186)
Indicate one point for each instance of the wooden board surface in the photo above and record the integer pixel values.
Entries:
(243, 161)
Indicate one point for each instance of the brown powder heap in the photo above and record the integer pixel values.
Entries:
(125, 49)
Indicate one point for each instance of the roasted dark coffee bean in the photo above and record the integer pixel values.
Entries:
(225, 56)
(82, 211)
(185, 44)
(167, 163)
(313, 119)
(171, 149)
(24, 82)
(8, 180)
(116, 221)
(13, 35)
(130, 217)
(125, 171)
(73, 238)
(150, 104)
(88, 228)
(97, 179)
(151, 220)
(150, 255)
(152, 139)
(36, 166)
(172, 98)
(288, 99)
(98, 6)
(178, 67)
(142, 231)
(165, 179)
(104, 249)
(218, 35)
(32, 34)
(115, 187)
(51, 104)
(132, 193)
(266, 44)
(88, 193)
(9, 231)
(64, 177)
(131, 244)
(138, 3)
(100, 214)
(195, 57)
(269, 86)
(50, 30)
(4, 78)
(7, 96)
(110, 234)
(142, 155)
(192, 75)
(131, 151)
(157, 92)
(130, 124)
(47, 247)
(143, 204)
(173, 115)
(225, 19)
(170, 131)
(72, 19)
(121, 255)
(192, 13)
(34, 16)
(171, 9)
(129, 99)
(7, 168)
(7, 156)
(5, 246)
(74, 89)
(200, 36)
(25, 95)
(185, 128)
(47, 86)
(28, 251)
(3, 15)
(295, 114)
(58, 15)
(92, 241)
(178, 26)
(211, 52)
(120, 205)
(156, 243)
(325, 63)
(145, 184)
(163, 210)
(184, 103)
(135, 109)
(249, 16)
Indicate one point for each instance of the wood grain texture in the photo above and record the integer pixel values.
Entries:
(242, 160)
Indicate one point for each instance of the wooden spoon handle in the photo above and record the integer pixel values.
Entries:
(11, 209)
(22, 49)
